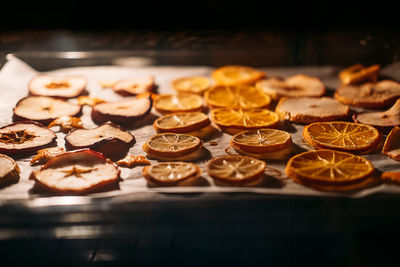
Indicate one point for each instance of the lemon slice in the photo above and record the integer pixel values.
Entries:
(241, 96)
(235, 169)
(235, 74)
(169, 103)
(195, 85)
(171, 173)
(181, 122)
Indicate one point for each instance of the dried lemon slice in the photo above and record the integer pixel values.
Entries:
(236, 169)
(345, 136)
(234, 121)
(169, 103)
(263, 143)
(171, 173)
(195, 85)
(235, 74)
(241, 96)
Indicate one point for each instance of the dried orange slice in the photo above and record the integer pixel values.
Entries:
(169, 103)
(263, 143)
(241, 96)
(358, 73)
(194, 85)
(391, 177)
(235, 74)
(344, 136)
(391, 147)
(236, 169)
(234, 121)
(171, 173)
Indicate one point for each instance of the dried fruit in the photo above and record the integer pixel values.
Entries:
(134, 86)
(358, 73)
(391, 147)
(171, 173)
(235, 74)
(54, 86)
(67, 123)
(193, 85)
(169, 103)
(9, 171)
(45, 154)
(131, 161)
(89, 100)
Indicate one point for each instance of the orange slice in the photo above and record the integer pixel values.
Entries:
(169, 103)
(235, 74)
(391, 147)
(194, 85)
(234, 121)
(358, 73)
(181, 122)
(344, 136)
(243, 96)
(171, 173)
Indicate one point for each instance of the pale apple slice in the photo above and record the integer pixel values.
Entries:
(44, 109)
(77, 172)
(9, 171)
(134, 86)
(25, 138)
(55, 86)
(126, 111)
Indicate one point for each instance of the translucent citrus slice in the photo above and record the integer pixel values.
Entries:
(345, 136)
(236, 169)
(181, 122)
(241, 96)
(171, 173)
(195, 85)
(234, 121)
(234, 74)
(328, 167)
(178, 103)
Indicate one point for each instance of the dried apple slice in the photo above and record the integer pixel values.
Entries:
(134, 86)
(391, 146)
(77, 172)
(67, 123)
(108, 139)
(24, 138)
(45, 154)
(126, 111)
(9, 171)
(65, 87)
(44, 109)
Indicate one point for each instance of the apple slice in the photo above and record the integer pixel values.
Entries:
(64, 87)
(108, 139)
(126, 111)
(25, 138)
(9, 171)
(77, 172)
(44, 109)
(134, 86)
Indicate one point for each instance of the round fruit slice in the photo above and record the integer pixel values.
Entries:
(126, 111)
(344, 136)
(235, 74)
(9, 171)
(178, 103)
(108, 139)
(234, 121)
(391, 147)
(65, 87)
(194, 85)
(134, 86)
(77, 172)
(358, 73)
(171, 145)
(44, 109)
(171, 173)
(369, 95)
(295, 86)
(243, 96)
(328, 167)
(181, 122)
(24, 138)
(236, 169)
(309, 109)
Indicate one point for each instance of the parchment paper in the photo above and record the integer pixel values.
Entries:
(14, 77)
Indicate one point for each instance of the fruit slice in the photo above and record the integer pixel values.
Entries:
(263, 143)
(358, 73)
(181, 122)
(108, 139)
(294, 86)
(384, 120)
(24, 138)
(77, 172)
(44, 109)
(391, 146)
(178, 103)
(67, 123)
(391, 177)
(243, 96)
(309, 109)
(171, 173)
(65, 87)
(194, 85)
(234, 121)
(45, 154)
(328, 167)
(236, 169)
(89, 100)
(369, 95)
(131, 161)
(235, 74)
(134, 86)
(126, 111)
(9, 171)
(344, 136)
